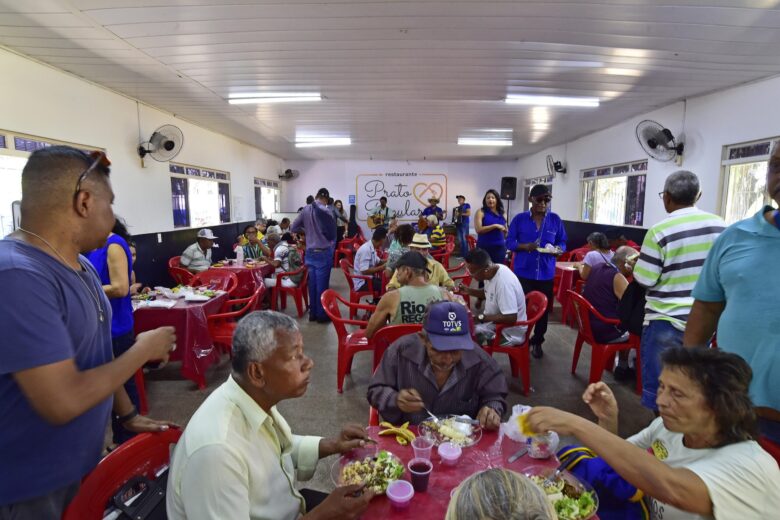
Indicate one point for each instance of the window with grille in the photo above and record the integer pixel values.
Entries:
(614, 195)
(199, 196)
(744, 179)
(267, 198)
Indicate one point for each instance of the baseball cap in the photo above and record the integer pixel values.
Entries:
(447, 325)
(539, 190)
(414, 260)
(206, 233)
(420, 240)
(460, 197)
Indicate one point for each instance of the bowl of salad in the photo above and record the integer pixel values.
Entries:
(375, 470)
(572, 498)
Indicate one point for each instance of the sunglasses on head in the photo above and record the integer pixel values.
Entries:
(98, 158)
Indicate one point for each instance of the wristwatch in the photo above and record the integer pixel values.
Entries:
(481, 317)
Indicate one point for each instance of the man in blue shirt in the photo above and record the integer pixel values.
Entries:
(529, 233)
(317, 223)
(738, 291)
(433, 209)
(57, 372)
(460, 217)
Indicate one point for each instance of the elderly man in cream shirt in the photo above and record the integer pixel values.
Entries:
(238, 458)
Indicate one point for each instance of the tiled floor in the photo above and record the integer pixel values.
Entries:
(322, 410)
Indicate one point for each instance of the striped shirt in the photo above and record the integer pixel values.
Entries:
(437, 237)
(671, 259)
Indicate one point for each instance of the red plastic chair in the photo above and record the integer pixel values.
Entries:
(174, 261)
(770, 447)
(356, 296)
(602, 354)
(465, 278)
(349, 343)
(385, 337)
(519, 359)
(180, 275)
(343, 250)
(300, 292)
(143, 455)
(443, 256)
(471, 241)
(457, 268)
(223, 324)
(373, 416)
(216, 279)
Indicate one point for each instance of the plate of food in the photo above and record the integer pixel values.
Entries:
(375, 469)
(460, 430)
(572, 498)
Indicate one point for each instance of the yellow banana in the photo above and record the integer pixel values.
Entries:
(401, 440)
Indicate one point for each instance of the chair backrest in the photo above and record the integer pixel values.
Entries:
(583, 309)
(216, 279)
(471, 241)
(535, 306)
(180, 275)
(578, 254)
(770, 447)
(330, 304)
(387, 335)
(174, 262)
(143, 455)
(346, 268)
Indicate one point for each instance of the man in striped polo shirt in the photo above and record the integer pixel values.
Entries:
(672, 255)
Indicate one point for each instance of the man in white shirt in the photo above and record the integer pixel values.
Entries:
(280, 261)
(503, 295)
(367, 261)
(238, 458)
(197, 257)
(698, 460)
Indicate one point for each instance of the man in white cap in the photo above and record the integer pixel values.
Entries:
(438, 275)
(197, 257)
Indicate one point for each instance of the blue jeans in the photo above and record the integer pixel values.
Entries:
(319, 262)
(657, 336)
(461, 232)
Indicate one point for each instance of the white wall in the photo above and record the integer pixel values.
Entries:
(42, 101)
(740, 114)
(469, 178)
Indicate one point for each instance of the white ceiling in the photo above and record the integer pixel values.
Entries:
(403, 78)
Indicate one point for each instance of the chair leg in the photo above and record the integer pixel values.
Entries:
(513, 366)
(341, 371)
(577, 350)
(638, 370)
(298, 303)
(274, 296)
(597, 361)
(143, 404)
(525, 368)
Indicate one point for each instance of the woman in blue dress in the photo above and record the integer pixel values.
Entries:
(490, 224)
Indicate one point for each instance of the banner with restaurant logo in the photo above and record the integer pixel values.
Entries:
(407, 193)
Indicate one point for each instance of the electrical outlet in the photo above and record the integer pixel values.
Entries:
(159, 238)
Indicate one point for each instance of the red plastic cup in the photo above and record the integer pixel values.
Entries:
(420, 470)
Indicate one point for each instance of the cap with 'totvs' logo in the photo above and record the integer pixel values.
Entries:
(447, 326)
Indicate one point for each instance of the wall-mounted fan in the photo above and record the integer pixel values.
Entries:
(554, 166)
(659, 142)
(288, 174)
(164, 145)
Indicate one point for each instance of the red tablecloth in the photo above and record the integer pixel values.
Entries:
(248, 276)
(567, 276)
(432, 504)
(194, 347)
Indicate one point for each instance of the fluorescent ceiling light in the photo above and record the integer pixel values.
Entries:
(540, 115)
(473, 141)
(273, 97)
(312, 142)
(551, 101)
(496, 130)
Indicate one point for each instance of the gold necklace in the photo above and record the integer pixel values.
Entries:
(92, 294)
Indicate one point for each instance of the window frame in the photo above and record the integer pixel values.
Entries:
(262, 182)
(726, 163)
(593, 174)
(191, 171)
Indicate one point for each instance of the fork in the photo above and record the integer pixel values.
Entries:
(555, 474)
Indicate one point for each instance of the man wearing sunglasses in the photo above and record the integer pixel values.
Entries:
(537, 237)
(58, 379)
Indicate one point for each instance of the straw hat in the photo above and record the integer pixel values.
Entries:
(433, 200)
(421, 240)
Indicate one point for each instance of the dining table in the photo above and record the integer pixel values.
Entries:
(250, 274)
(567, 275)
(194, 346)
(492, 451)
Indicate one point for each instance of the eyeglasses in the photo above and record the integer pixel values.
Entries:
(99, 158)
(661, 194)
(545, 199)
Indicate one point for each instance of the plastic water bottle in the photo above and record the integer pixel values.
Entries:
(239, 255)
